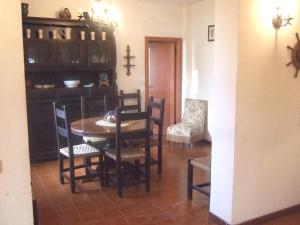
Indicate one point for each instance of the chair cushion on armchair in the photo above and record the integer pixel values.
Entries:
(184, 133)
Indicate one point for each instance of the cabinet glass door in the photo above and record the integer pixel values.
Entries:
(69, 54)
(37, 53)
(99, 53)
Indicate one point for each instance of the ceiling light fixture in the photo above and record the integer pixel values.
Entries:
(100, 16)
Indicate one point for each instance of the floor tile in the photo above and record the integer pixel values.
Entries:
(166, 204)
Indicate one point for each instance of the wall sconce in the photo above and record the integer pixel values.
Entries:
(278, 21)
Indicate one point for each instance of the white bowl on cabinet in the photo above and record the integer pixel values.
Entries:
(72, 83)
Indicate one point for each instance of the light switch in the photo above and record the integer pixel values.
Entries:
(0, 166)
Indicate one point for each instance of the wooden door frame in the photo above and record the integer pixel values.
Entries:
(178, 71)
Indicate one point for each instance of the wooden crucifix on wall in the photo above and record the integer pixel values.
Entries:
(128, 58)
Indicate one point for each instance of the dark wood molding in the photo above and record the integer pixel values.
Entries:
(215, 219)
(53, 22)
(178, 70)
(178, 90)
(259, 220)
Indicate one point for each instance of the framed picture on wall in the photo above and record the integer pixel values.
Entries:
(211, 33)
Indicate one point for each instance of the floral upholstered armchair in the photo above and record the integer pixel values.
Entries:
(194, 123)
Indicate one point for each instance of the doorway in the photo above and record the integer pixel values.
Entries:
(163, 74)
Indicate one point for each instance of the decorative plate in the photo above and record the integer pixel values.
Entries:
(103, 76)
(106, 123)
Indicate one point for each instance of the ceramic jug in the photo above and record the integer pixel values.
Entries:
(65, 14)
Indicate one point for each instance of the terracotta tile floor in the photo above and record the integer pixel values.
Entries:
(165, 204)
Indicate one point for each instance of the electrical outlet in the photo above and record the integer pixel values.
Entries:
(0, 166)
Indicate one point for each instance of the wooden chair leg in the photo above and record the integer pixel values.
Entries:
(147, 174)
(190, 180)
(137, 169)
(61, 169)
(88, 164)
(159, 160)
(106, 170)
(101, 169)
(72, 176)
(120, 180)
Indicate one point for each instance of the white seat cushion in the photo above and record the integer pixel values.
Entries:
(80, 151)
(202, 163)
(185, 133)
(184, 129)
(94, 139)
(126, 153)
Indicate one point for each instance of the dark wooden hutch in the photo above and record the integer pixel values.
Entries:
(49, 62)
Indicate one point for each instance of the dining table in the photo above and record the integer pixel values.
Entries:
(89, 127)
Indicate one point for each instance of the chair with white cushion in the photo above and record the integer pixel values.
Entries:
(203, 163)
(194, 123)
(66, 150)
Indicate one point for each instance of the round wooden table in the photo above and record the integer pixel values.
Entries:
(87, 127)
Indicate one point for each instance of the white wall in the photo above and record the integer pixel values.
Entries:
(15, 189)
(198, 57)
(137, 20)
(267, 160)
(256, 157)
(223, 108)
(200, 52)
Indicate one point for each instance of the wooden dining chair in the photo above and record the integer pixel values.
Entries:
(92, 107)
(123, 154)
(157, 118)
(66, 149)
(131, 102)
(158, 112)
(111, 102)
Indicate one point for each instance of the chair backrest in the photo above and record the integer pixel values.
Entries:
(128, 98)
(158, 111)
(195, 112)
(91, 106)
(62, 126)
(111, 102)
(141, 133)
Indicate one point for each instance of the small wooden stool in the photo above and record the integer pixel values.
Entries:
(201, 163)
